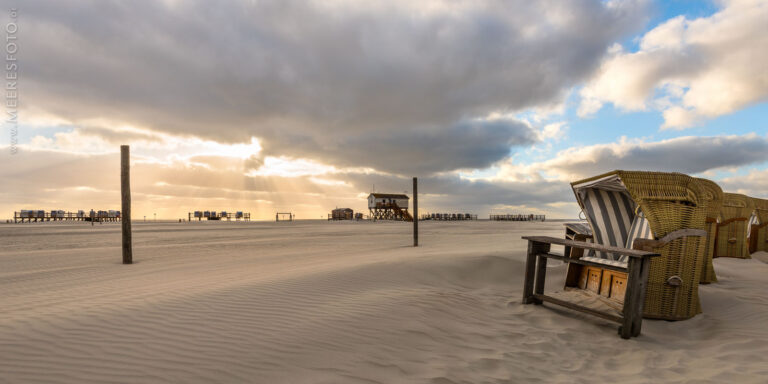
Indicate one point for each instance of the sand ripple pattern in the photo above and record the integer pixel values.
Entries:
(338, 303)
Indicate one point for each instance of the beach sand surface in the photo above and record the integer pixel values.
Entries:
(339, 302)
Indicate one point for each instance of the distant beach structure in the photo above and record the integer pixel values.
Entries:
(389, 206)
(342, 214)
(284, 216)
(35, 215)
(448, 216)
(222, 215)
(514, 217)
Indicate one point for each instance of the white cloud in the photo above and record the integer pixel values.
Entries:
(554, 131)
(716, 65)
(754, 183)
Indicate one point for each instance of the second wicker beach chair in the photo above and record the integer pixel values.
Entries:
(735, 216)
(714, 196)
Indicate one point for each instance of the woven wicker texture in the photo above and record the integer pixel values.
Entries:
(759, 234)
(713, 195)
(670, 201)
(732, 230)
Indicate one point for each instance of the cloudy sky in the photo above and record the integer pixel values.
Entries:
(303, 106)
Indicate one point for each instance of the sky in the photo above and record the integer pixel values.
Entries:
(305, 106)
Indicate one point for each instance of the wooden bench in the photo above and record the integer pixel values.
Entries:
(637, 276)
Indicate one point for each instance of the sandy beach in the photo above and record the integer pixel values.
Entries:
(338, 302)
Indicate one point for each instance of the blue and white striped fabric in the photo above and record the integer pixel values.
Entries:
(610, 213)
(640, 229)
(617, 263)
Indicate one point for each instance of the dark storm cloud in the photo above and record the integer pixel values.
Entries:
(688, 154)
(467, 144)
(313, 77)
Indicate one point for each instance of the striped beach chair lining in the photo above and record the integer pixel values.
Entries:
(618, 263)
(752, 220)
(610, 213)
(641, 229)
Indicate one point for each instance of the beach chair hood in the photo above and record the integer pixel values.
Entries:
(616, 205)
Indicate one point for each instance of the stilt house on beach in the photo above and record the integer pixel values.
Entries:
(387, 206)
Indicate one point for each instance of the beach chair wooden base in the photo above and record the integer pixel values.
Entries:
(636, 272)
(626, 286)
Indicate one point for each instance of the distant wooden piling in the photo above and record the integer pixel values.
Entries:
(125, 188)
(415, 213)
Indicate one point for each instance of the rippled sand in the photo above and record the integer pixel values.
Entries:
(320, 302)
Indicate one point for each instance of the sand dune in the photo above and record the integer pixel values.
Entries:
(317, 302)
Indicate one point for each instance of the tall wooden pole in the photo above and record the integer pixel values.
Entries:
(415, 213)
(125, 188)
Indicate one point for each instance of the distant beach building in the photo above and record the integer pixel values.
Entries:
(342, 214)
(223, 215)
(388, 206)
(35, 215)
(514, 217)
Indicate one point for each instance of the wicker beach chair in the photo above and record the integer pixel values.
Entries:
(714, 196)
(623, 206)
(758, 238)
(733, 230)
(646, 250)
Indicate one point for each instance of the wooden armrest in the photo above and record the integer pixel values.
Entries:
(650, 245)
(593, 246)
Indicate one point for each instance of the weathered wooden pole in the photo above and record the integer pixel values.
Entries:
(415, 213)
(125, 188)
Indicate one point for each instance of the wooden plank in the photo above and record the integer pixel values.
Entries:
(579, 308)
(125, 192)
(594, 276)
(642, 286)
(632, 307)
(534, 249)
(606, 283)
(541, 273)
(579, 228)
(650, 244)
(584, 262)
(596, 247)
(618, 286)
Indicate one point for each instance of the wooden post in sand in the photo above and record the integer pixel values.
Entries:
(125, 188)
(415, 213)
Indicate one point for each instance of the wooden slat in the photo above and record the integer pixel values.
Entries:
(650, 244)
(579, 228)
(585, 245)
(645, 268)
(583, 262)
(530, 269)
(541, 275)
(579, 308)
(632, 306)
